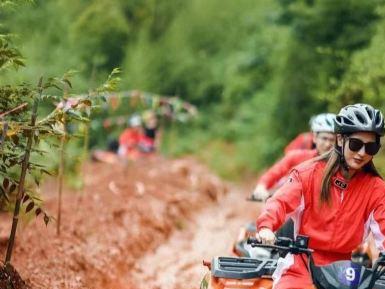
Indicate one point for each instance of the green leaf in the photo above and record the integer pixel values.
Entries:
(46, 219)
(87, 102)
(12, 188)
(65, 80)
(38, 212)
(37, 182)
(46, 172)
(30, 206)
(5, 183)
(4, 194)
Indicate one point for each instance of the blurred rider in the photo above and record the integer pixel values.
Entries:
(322, 127)
(335, 200)
(150, 139)
(130, 138)
(303, 141)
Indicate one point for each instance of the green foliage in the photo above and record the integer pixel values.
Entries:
(201, 52)
(21, 134)
(100, 33)
(341, 25)
(221, 59)
(7, 4)
(9, 56)
(324, 36)
(257, 70)
(365, 79)
(23, 127)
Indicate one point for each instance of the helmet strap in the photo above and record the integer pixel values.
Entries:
(341, 152)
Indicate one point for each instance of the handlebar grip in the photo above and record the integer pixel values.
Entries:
(251, 241)
(381, 259)
(254, 199)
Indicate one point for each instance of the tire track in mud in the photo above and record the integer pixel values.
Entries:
(177, 263)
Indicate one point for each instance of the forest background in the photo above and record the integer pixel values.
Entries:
(256, 70)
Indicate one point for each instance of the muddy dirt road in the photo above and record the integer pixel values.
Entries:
(177, 263)
(138, 226)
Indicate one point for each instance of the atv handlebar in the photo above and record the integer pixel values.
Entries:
(298, 246)
(252, 198)
(333, 270)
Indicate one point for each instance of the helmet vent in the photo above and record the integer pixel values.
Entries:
(347, 120)
(361, 118)
(370, 112)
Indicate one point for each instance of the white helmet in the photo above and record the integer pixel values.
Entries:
(134, 120)
(323, 122)
(360, 117)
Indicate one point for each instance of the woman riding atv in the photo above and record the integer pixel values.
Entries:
(335, 199)
(323, 137)
(322, 127)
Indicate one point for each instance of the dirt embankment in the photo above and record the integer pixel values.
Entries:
(123, 212)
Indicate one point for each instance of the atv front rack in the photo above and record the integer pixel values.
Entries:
(242, 268)
(380, 283)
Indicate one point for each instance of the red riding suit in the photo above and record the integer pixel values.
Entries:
(134, 144)
(283, 167)
(357, 207)
(303, 141)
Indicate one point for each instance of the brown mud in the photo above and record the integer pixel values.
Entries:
(147, 224)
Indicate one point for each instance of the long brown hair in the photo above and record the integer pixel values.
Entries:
(335, 160)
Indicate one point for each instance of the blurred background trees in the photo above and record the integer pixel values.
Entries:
(257, 70)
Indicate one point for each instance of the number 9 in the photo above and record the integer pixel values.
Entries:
(350, 274)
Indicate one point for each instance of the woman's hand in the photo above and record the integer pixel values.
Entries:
(265, 236)
(261, 193)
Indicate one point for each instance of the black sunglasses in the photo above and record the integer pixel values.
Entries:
(371, 148)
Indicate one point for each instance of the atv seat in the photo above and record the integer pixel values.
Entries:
(242, 268)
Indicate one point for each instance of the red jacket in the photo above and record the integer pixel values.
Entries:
(303, 141)
(133, 143)
(129, 137)
(335, 230)
(283, 167)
